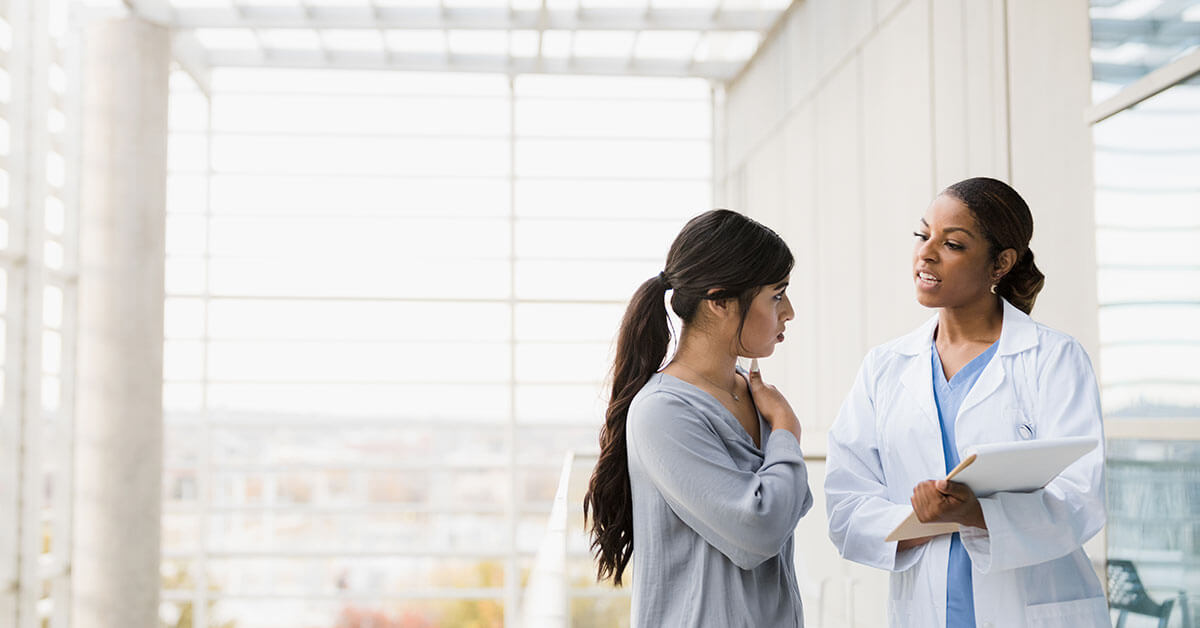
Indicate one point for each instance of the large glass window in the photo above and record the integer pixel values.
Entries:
(391, 301)
(1148, 247)
(1147, 166)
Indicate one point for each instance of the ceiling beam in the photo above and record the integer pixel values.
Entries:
(384, 17)
(154, 11)
(185, 50)
(315, 59)
(190, 56)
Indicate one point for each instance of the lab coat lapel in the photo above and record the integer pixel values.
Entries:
(1016, 335)
(917, 376)
(989, 380)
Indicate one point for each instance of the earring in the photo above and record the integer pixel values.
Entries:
(993, 288)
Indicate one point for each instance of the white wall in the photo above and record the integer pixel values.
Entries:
(839, 134)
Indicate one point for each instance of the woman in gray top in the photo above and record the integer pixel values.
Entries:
(700, 461)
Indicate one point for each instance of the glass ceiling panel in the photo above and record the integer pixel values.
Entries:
(366, 4)
(523, 43)
(358, 39)
(556, 44)
(604, 43)
(1131, 38)
(226, 38)
(750, 5)
(666, 44)
(407, 3)
(289, 39)
(187, 4)
(476, 4)
(424, 41)
(613, 4)
(478, 42)
(683, 4)
(481, 35)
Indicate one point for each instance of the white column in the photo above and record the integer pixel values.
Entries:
(118, 469)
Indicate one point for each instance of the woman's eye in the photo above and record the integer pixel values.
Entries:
(920, 235)
(954, 247)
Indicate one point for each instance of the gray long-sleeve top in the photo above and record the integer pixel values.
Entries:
(713, 515)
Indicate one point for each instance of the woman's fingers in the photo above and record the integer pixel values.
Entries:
(755, 374)
(954, 490)
(929, 503)
(941, 500)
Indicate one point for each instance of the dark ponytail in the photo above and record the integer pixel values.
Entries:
(1007, 223)
(641, 347)
(721, 250)
(1022, 284)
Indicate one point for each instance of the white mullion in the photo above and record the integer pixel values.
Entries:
(541, 31)
(629, 63)
(64, 490)
(512, 591)
(1180, 429)
(387, 52)
(11, 585)
(28, 231)
(637, 34)
(571, 34)
(203, 478)
(445, 30)
(508, 56)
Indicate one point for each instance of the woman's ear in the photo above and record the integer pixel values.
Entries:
(1004, 263)
(720, 308)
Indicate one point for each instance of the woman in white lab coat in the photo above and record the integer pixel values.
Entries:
(980, 371)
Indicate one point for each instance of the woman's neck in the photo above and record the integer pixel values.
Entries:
(709, 357)
(980, 321)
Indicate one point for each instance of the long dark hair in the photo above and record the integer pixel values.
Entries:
(1007, 223)
(721, 250)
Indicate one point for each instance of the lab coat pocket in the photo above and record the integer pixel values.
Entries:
(1092, 611)
(910, 450)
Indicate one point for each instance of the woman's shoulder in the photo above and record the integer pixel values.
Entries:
(1054, 347)
(665, 398)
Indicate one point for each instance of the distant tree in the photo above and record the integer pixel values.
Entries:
(178, 579)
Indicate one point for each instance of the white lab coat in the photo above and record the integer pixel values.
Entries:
(1029, 565)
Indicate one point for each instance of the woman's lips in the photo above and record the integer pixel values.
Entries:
(927, 280)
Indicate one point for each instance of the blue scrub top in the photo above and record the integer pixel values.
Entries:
(949, 395)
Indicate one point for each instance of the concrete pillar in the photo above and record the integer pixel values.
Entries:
(118, 464)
